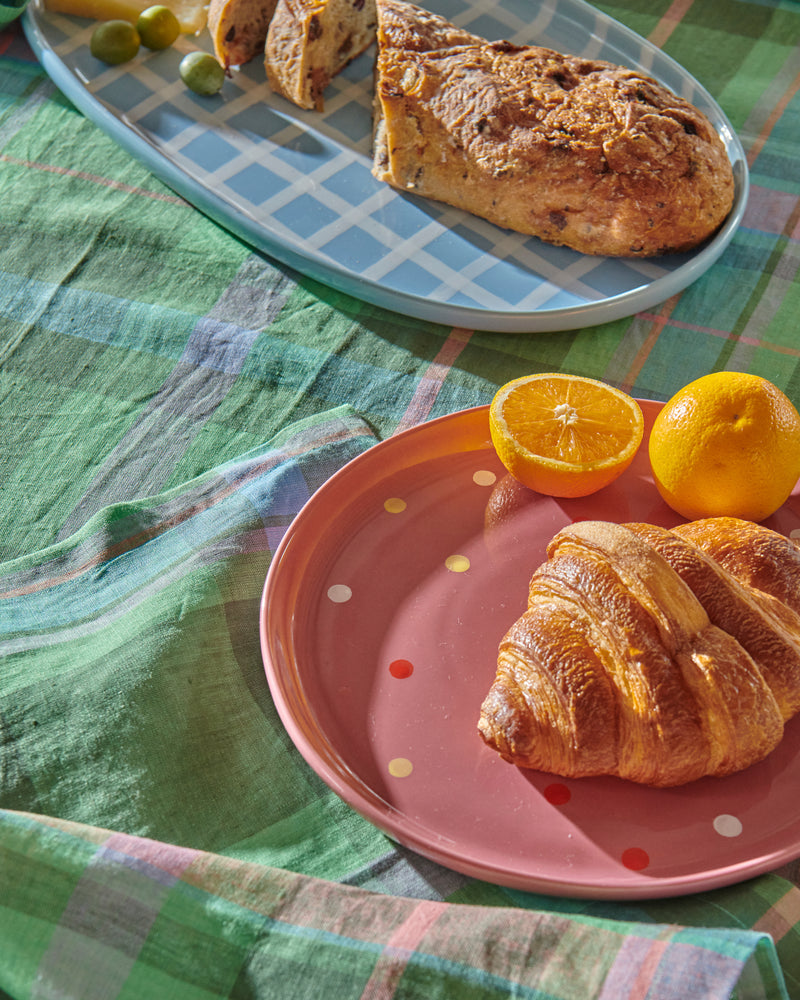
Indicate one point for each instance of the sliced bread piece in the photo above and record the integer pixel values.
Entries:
(310, 41)
(239, 29)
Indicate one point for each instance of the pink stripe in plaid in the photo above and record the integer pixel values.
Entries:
(92, 178)
(713, 332)
(782, 916)
(399, 948)
(771, 211)
(166, 857)
(775, 115)
(669, 22)
(430, 384)
(658, 321)
(636, 954)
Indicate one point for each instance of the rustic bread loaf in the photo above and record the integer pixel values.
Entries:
(575, 151)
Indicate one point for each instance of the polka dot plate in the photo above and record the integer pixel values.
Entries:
(297, 184)
(381, 616)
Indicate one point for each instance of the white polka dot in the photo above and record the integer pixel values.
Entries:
(794, 533)
(727, 826)
(394, 505)
(457, 563)
(339, 593)
(483, 477)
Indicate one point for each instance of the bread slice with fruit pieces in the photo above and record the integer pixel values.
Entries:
(310, 41)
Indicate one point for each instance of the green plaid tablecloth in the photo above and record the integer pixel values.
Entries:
(168, 401)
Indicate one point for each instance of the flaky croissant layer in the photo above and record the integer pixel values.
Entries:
(654, 655)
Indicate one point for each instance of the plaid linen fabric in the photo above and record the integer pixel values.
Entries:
(139, 918)
(168, 401)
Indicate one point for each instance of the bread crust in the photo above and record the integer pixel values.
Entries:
(575, 151)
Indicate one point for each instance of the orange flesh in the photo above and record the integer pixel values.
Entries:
(582, 426)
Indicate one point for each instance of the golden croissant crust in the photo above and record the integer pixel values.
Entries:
(659, 656)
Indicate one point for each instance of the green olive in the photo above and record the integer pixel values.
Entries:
(114, 42)
(201, 73)
(158, 27)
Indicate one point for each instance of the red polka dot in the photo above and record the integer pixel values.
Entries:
(635, 858)
(557, 795)
(401, 669)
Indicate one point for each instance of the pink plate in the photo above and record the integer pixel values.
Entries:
(381, 616)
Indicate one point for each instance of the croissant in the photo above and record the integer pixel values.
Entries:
(659, 656)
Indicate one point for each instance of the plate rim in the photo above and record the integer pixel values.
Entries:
(354, 791)
(371, 291)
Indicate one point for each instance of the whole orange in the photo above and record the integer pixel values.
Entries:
(727, 444)
(564, 435)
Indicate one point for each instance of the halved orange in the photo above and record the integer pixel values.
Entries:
(565, 435)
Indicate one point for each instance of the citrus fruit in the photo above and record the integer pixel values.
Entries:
(114, 42)
(727, 444)
(158, 27)
(201, 73)
(564, 435)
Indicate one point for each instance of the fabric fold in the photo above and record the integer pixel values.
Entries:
(132, 692)
(92, 913)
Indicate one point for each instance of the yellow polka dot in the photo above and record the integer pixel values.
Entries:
(394, 505)
(457, 563)
(483, 477)
(400, 767)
